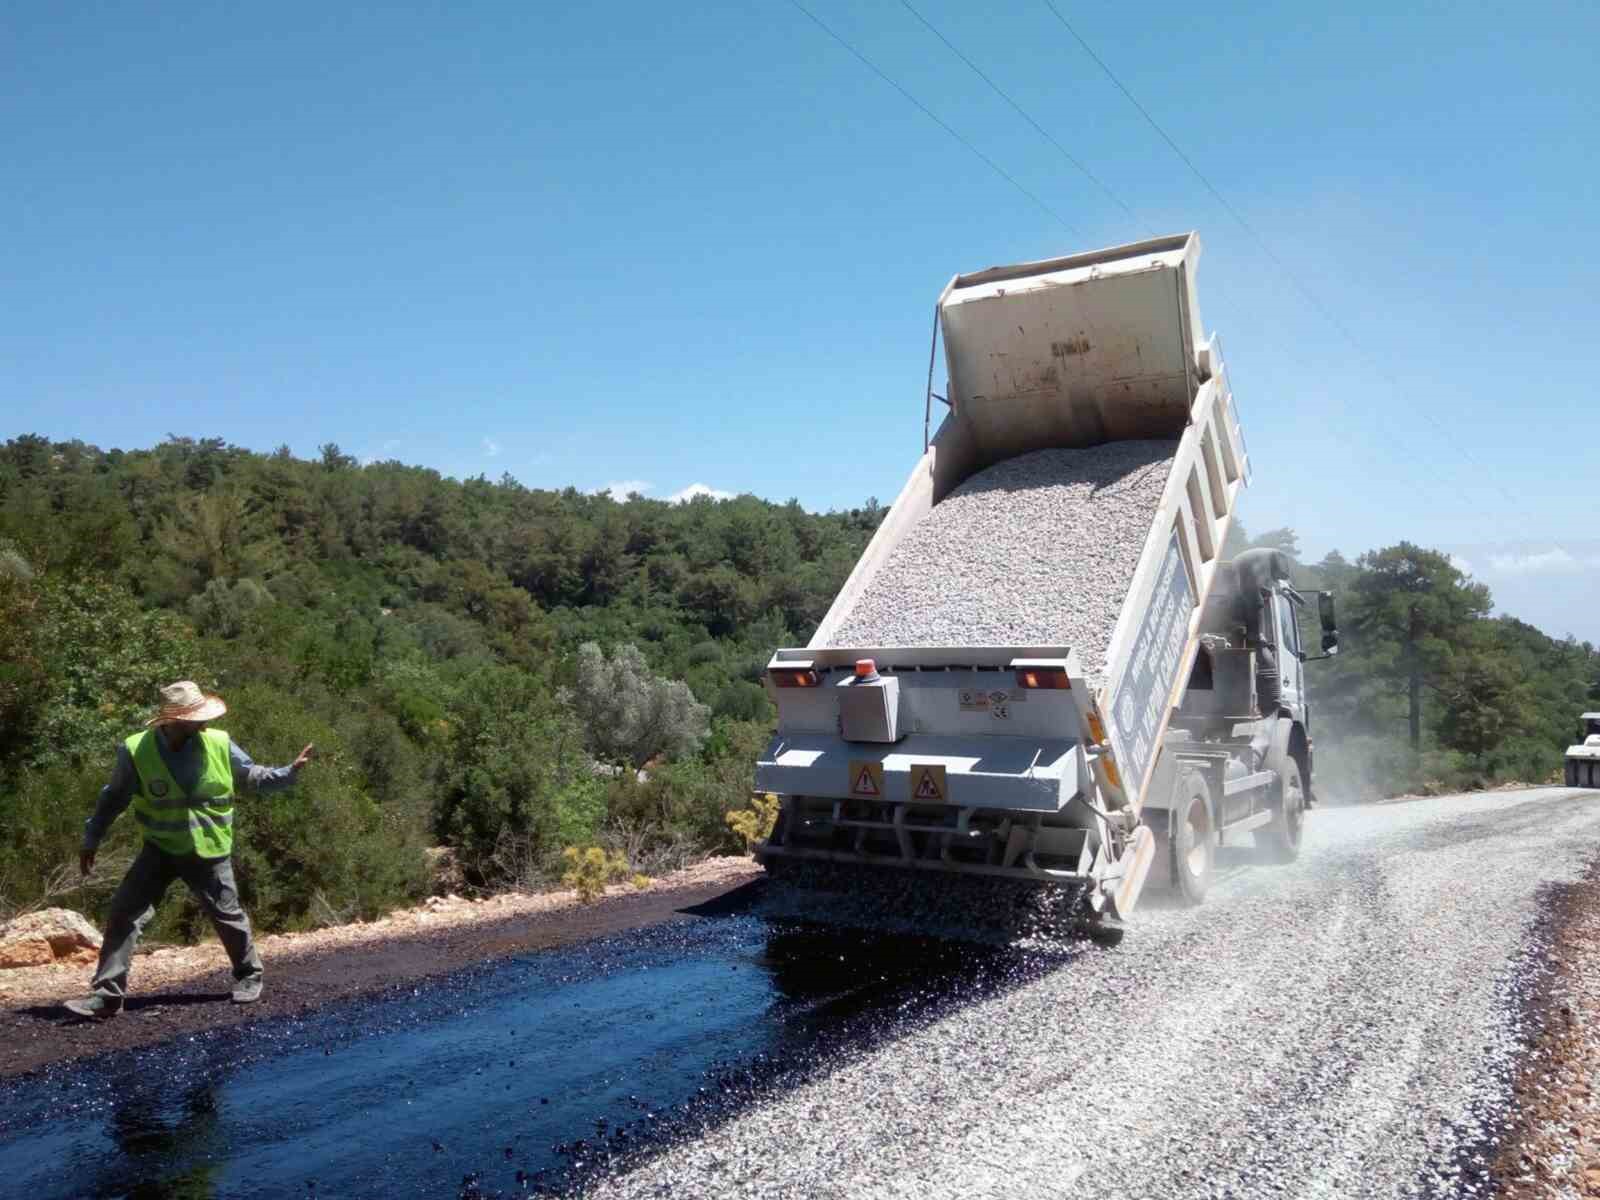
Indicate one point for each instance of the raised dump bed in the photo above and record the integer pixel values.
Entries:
(1036, 550)
(1032, 599)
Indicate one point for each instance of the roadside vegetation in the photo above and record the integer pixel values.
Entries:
(503, 671)
(1429, 692)
(513, 673)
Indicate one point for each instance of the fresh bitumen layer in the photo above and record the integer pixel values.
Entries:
(1343, 1026)
(1036, 550)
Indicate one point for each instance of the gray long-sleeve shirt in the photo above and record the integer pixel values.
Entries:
(185, 765)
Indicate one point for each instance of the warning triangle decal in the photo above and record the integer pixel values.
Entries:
(864, 785)
(928, 789)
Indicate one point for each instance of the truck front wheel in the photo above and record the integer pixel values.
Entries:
(1191, 838)
(1281, 839)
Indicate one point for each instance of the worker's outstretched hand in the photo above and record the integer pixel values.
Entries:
(305, 757)
(85, 861)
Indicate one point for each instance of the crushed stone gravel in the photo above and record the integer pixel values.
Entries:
(1036, 550)
(1347, 1025)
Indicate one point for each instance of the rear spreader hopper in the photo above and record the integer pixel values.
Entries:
(994, 690)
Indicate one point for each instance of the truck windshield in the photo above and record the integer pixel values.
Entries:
(1291, 624)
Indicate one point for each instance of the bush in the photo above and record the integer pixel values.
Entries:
(41, 830)
(755, 824)
(514, 768)
(630, 715)
(589, 871)
(225, 608)
(325, 838)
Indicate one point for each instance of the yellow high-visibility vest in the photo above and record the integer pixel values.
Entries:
(200, 822)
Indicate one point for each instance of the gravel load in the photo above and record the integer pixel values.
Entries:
(1036, 550)
(1345, 1026)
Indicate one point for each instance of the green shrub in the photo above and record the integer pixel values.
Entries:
(514, 762)
(755, 824)
(589, 871)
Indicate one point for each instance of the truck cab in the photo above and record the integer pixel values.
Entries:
(1237, 758)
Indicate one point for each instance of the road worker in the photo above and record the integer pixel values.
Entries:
(180, 778)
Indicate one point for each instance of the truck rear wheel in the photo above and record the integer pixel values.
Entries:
(1281, 839)
(1191, 838)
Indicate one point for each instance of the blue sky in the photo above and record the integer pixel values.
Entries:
(595, 244)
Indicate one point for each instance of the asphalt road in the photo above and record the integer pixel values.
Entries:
(1341, 1026)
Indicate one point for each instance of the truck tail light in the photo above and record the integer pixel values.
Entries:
(1043, 677)
(795, 677)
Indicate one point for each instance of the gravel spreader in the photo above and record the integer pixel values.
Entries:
(1027, 676)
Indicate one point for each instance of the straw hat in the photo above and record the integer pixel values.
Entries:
(184, 701)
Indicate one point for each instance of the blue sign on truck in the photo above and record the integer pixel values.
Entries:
(1145, 688)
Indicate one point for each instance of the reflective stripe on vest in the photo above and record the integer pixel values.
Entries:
(179, 822)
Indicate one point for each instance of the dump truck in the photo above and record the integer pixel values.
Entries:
(1071, 718)
(1583, 759)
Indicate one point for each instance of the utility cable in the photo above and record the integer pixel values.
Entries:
(1026, 116)
(937, 120)
(1305, 293)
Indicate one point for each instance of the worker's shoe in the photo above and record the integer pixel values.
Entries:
(94, 1008)
(247, 990)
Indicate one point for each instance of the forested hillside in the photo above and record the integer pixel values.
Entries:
(488, 667)
(423, 632)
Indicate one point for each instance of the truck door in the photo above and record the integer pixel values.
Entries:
(1290, 668)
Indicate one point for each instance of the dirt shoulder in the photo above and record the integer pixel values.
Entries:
(181, 990)
(1554, 1147)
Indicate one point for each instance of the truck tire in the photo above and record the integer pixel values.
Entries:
(1281, 839)
(1191, 840)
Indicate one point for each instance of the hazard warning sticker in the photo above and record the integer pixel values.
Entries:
(928, 784)
(866, 780)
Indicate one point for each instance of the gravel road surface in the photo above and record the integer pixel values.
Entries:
(1344, 1026)
(1348, 1025)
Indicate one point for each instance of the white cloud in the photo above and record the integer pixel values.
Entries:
(1554, 561)
(698, 489)
(623, 488)
(491, 447)
(385, 452)
(1461, 564)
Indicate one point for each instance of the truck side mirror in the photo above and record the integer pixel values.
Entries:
(1330, 623)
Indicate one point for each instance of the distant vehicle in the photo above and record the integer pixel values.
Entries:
(1583, 760)
(1009, 760)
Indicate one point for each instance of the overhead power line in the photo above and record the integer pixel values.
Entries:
(936, 119)
(1026, 116)
(1305, 293)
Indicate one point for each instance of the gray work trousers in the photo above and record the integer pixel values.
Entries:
(211, 881)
